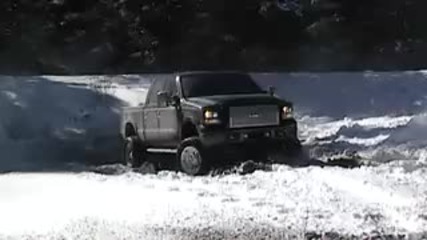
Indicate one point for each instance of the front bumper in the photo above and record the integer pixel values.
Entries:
(256, 136)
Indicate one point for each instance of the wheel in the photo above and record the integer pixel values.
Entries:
(191, 157)
(134, 152)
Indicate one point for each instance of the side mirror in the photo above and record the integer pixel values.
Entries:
(176, 101)
(162, 97)
(271, 90)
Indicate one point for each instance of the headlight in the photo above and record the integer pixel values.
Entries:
(287, 112)
(210, 114)
(211, 117)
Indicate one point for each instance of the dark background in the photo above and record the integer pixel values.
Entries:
(137, 36)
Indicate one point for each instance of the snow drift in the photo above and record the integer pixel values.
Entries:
(354, 95)
(48, 121)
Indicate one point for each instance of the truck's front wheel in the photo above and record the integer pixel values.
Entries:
(191, 157)
(134, 152)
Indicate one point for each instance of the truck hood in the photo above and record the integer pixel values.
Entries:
(228, 100)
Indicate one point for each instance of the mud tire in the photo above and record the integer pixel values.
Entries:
(192, 158)
(134, 152)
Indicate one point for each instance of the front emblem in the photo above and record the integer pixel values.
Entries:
(254, 115)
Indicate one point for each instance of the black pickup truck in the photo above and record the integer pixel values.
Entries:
(203, 117)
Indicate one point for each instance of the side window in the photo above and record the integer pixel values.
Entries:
(158, 85)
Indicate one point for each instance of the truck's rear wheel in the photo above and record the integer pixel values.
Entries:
(191, 157)
(134, 152)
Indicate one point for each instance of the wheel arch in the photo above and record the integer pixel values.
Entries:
(189, 129)
(130, 130)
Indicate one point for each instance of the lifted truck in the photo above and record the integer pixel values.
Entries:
(199, 115)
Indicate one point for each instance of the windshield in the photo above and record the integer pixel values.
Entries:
(218, 84)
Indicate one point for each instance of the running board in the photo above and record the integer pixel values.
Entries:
(162, 150)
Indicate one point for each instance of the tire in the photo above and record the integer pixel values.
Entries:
(134, 154)
(192, 157)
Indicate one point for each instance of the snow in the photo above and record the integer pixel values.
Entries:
(354, 94)
(49, 123)
(310, 199)
(47, 120)
(324, 128)
(364, 141)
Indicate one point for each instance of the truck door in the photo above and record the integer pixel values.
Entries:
(168, 118)
(151, 115)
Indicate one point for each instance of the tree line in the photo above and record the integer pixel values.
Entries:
(116, 36)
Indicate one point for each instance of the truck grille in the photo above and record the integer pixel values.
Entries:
(254, 116)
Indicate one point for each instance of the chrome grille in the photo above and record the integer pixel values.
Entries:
(254, 116)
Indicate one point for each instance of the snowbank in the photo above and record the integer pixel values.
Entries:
(414, 134)
(352, 94)
(47, 121)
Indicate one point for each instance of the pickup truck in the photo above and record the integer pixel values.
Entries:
(202, 117)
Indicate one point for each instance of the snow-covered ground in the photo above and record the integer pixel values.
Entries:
(50, 123)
